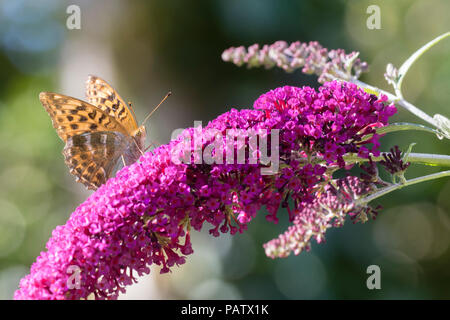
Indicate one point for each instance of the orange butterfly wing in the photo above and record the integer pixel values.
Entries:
(95, 140)
(100, 94)
(71, 116)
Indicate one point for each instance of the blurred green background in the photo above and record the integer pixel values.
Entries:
(146, 48)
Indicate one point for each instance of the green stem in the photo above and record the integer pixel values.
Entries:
(391, 97)
(412, 59)
(383, 191)
(402, 102)
(417, 158)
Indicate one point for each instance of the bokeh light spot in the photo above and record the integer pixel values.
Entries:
(301, 277)
(12, 228)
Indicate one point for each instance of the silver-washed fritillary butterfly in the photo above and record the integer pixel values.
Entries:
(97, 133)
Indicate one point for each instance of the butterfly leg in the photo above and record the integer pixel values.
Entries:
(147, 148)
(137, 146)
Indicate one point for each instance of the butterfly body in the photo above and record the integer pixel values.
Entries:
(97, 133)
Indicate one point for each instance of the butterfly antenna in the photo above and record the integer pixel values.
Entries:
(156, 108)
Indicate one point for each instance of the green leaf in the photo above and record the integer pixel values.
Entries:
(407, 153)
(404, 126)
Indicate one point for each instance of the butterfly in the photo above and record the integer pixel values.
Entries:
(97, 133)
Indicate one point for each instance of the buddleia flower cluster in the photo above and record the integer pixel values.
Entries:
(145, 214)
(330, 207)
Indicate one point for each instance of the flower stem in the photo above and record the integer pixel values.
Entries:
(391, 97)
(383, 191)
(402, 102)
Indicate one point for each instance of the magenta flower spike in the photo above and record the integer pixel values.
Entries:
(144, 215)
(310, 57)
(328, 209)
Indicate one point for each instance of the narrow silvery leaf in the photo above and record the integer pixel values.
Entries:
(404, 126)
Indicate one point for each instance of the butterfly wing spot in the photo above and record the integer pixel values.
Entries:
(70, 118)
(92, 114)
(100, 177)
(103, 117)
(122, 110)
